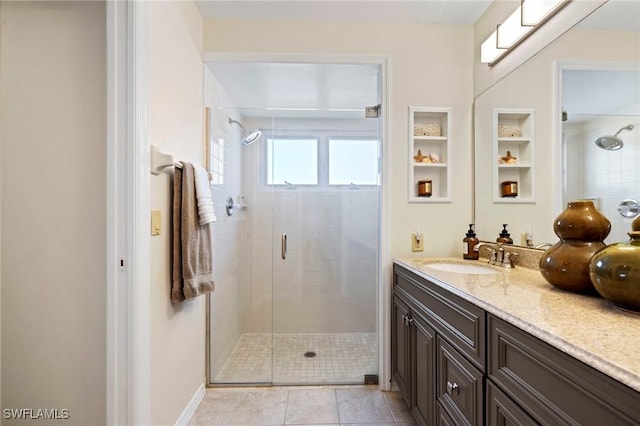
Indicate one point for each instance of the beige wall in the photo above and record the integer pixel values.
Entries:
(53, 209)
(428, 66)
(176, 127)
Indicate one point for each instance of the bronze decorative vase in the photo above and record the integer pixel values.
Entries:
(615, 271)
(582, 230)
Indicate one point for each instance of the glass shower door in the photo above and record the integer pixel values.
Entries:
(326, 204)
(297, 279)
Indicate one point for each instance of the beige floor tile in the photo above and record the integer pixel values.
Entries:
(399, 408)
(216, 408)
(362, 406)
(310, 407)
(260, 407)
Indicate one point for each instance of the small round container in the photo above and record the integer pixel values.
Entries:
(509, 188)
(424, 188)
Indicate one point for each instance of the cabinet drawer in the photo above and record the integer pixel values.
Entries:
(502, 411)
(442, 417)
(459, 386)
(552, 386)
(462, 323)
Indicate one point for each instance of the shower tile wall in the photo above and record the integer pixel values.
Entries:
(611, 176)
(327, 284)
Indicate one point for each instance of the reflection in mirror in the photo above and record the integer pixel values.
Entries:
(566, 163)
(601, 141)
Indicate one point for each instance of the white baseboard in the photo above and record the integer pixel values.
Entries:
(191, 407)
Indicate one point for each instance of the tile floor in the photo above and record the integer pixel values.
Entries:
(315, 405)
(341, 358)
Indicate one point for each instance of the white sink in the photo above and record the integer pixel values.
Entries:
(462, 268)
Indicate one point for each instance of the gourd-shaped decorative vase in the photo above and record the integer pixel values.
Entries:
(615, 271)
(582, 230)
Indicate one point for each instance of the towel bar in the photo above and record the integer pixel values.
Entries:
(160, 160)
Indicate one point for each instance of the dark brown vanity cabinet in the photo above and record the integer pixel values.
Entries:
(459, 365)
(430, 329)
(413, 352)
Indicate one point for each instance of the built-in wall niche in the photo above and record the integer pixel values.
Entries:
(513, 155)
(429, 155)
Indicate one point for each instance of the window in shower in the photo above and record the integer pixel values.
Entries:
(216, 160)
(292, 161)
(322, 161)
(353, 161)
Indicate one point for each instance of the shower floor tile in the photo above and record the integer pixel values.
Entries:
(322, 358)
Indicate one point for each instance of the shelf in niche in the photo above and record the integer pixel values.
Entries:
(521, 147)
(430, 138)
(430, 165)
(514, 166)
(514, 140)
(440, 146)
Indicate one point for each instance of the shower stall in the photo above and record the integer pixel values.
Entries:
(296, 300)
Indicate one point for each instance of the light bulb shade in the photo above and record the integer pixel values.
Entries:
(489, 51)
(536, 11)
(511, 31)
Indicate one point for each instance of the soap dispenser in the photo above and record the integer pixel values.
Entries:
(469, 243)
(504, 236)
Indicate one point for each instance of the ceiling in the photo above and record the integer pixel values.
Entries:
(343, 90)
(387, 11)
(590, 92)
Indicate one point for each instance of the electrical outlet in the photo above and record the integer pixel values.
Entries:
(417, 242)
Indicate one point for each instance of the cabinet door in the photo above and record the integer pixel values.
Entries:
(502, 411)
(400, 348)
(460, 386)
(424, 353)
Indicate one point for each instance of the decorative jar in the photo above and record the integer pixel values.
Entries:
(582, 230)
(615, 271)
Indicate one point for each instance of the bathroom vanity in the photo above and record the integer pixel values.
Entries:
(494, 346)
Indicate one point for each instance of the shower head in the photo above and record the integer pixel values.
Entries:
(251, 137)
(612, 143)
(248, 138)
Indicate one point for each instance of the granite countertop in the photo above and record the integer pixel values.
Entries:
(588, 328)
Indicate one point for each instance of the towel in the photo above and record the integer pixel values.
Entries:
(203, 195)
(192, 251)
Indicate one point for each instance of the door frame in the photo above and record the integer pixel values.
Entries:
(384, 263)
(127, 260)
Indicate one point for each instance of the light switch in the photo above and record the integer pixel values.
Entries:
(155, 222)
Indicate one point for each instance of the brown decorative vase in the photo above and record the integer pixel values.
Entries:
(582, 230)
(615, 271)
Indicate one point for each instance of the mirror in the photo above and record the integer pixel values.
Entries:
(555, 161)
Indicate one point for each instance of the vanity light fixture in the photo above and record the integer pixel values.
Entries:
(527, 18)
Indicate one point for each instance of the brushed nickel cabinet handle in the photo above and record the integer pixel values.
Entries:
(453, 388)
(283, 244)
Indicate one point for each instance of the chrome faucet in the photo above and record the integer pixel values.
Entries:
(499, 256)
(543, 245)
(492, 258)
(507, 262)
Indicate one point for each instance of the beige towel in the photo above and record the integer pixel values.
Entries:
(192, 250)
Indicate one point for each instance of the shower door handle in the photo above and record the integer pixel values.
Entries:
(283, 246)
